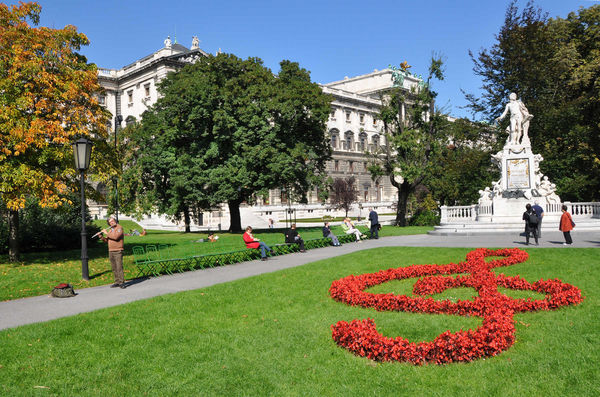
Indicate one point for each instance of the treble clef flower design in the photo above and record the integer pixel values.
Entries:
(496, 333)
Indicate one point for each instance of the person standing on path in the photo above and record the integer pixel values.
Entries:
(539, 211)
(373, 217)
(115, 238)
(566, 225)
(530, 219)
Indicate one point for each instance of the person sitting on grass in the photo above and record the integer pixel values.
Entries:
(349, 228)
(327, 233)
(255, 243)
(212, 238)
(292, 237)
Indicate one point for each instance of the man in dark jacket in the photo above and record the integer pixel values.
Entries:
(292, 237)
(374, 223)
(327, 233)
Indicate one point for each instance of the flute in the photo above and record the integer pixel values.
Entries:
(99, 233)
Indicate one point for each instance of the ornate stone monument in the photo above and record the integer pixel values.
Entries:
(520, 179)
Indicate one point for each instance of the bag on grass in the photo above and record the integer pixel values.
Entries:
(63, 291)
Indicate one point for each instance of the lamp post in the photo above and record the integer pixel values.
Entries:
(118, 120)
(82, 149)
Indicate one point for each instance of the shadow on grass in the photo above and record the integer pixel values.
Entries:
(93, 276)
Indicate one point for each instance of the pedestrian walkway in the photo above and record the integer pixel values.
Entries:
(44, 308)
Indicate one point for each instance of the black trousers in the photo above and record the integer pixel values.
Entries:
(300, 242)
(568, 238)
(532, 230)
(374, 231)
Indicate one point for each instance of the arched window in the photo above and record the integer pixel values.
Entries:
(375, 141)
(363, 141)
(349, 140)
(335, 138)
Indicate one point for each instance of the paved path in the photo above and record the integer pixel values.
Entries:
(44, 308)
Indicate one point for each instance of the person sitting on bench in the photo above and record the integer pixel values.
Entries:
(292, 237)
(327, 233)
(255, 243)
(349, 228)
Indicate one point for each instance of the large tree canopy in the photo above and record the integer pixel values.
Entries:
(225, 130)
(46, 100)
(554, 67)
(414, 133)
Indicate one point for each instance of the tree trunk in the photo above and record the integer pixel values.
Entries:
(187, 220)
(403, 194)
(13, 236)
(235, 224)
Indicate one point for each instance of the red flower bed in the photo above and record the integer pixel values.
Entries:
(497, 332)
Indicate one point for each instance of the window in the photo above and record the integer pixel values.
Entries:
(130, 97)
(366, 193)
(333, 141)
(348, 140)
(147, 90)
(335, 137)
(332, 115)
(375, 141)
(348, 116)
(336, 165)
(363, 141)
(362, 118)
(366, 166)
(351, 166)
(102, 100)
(374, 121)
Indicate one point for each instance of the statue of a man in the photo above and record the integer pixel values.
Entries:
(195, 43)
(168, 42)
(519, 119)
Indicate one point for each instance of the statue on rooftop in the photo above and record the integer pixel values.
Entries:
(195, 43)
(168, 42)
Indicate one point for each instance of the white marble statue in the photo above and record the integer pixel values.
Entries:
(168, 42)
(195, 43)
(485, 196)
(519, 120)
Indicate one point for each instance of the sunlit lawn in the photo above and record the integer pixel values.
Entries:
(270, 335)
(37, 273)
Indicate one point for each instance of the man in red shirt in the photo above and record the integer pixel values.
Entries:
(114, 236)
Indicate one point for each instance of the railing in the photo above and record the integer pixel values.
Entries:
(469, 213)
(584, 210)
(458, 213)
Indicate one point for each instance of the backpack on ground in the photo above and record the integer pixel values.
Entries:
(63, 291)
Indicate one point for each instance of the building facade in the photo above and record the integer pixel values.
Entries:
(353, 129)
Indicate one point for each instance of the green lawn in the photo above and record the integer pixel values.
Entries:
(37, 273)
(270, 335)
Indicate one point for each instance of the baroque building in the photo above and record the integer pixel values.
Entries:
(353, 129)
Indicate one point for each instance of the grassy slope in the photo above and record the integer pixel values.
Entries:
(270, 335)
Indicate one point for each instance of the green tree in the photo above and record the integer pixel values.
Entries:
(463, 166)
(227, 130)
(554, 67)
(46, 100)
(414, 132)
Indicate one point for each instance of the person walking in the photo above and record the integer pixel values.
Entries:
(255, 243)
(327, 233)
(531, 221)
(114, 236)
(566, 225)
(292, 237)
(374, 223)
(539, 211)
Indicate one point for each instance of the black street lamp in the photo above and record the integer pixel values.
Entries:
(82, 149)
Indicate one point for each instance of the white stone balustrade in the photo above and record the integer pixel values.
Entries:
(458, 214)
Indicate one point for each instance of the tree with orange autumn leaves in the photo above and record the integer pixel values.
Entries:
(47, 101)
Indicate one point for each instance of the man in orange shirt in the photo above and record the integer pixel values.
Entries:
(114, 236)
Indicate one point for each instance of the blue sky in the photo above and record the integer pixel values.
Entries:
(332, 39)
